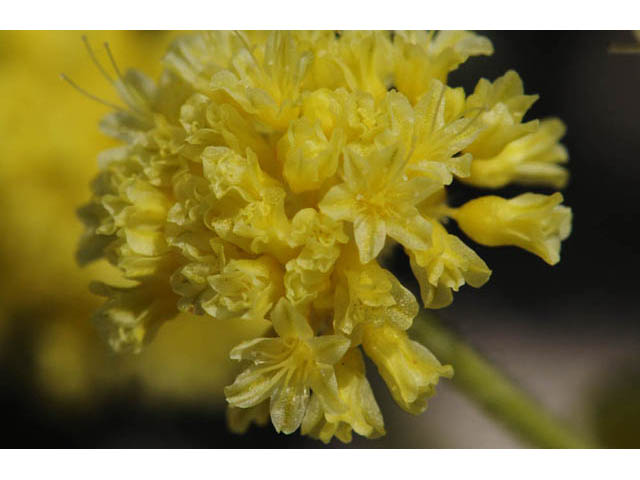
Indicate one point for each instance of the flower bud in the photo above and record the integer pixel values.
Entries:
(537, 223)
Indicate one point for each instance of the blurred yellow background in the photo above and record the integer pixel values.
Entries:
(50, 140)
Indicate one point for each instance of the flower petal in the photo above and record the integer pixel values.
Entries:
(288, 405)
(253, 386)
(370, 233)
(288, 322)
(329, 349)
(339, 203)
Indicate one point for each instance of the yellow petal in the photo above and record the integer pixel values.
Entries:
(288, 322)
(329, 349)
(288, 404)
(252, 386)
(370, 233)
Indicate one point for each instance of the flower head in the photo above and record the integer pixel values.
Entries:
(261, 179)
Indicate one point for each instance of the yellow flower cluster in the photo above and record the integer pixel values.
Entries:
(262, 176)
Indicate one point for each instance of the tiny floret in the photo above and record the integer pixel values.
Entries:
(264, 175)
(287, 368)
(537, 223)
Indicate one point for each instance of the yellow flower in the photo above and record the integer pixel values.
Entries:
(266, 78)
(530, 160)
(502, 105)
(440, 134)
(244, 289)
(263, 175)
(445, 266)
(310, 157)
(410, 370)
(420, 57)
(247, 208)
(286, 369)
(368, 293)
(309, 274)
(356, 60)
(132, 315)
(363, 414)
(537, 223)
(378, 198)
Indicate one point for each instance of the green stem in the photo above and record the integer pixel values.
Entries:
(492, 390)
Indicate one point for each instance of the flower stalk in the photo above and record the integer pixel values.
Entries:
(493, 391)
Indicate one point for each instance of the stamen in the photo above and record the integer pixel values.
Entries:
(246, 45)
(130, 91)
(242, 39)
(95, 60)
(89, 95)
(113, 61)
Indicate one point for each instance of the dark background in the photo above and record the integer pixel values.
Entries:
(583, 306)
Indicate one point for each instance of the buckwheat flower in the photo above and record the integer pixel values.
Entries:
(308, 275)
(266, 78)
(537, 223)
(410, 370)
(370, 294)
(420, 57)
(287, 369)
(440, 134)
(379, 201)
(264, 174)
(132, 315)
(310, 157)
(534, 159)
(363, 415)
(502, 105)
(445, 267)
(357, 60)
(244, 289)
